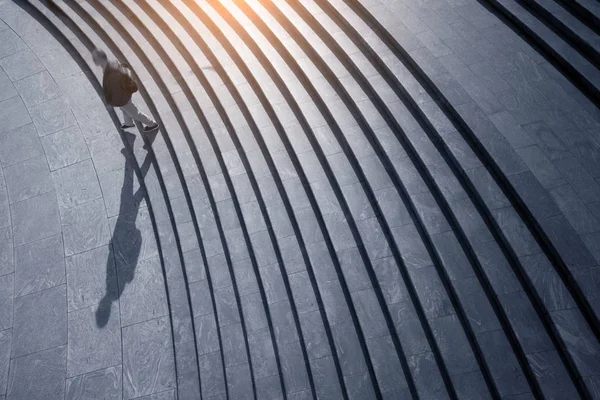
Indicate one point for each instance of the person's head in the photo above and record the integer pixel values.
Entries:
(99, 57)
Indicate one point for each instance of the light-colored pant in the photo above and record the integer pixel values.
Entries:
(131, 113)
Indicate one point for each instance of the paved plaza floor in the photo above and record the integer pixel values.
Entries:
(346, 199)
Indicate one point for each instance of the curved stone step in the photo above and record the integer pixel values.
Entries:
(579, 70)
(587, 11)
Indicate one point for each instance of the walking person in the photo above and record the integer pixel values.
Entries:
(118, 87)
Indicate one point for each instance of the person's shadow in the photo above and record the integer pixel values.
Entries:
(126, 241)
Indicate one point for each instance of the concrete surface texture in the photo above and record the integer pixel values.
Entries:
(346, 199)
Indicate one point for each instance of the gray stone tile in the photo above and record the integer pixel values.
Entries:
(568, 243)
(19, 144)
(148, 358)
(133, 237)
(239, 382)
(105, 384)
(471, 386)
(269, 388)
(541, 167)
(85, 227)
(5, 345)
(375, 172)
(201, 299)
(586, 187)
(227, 306)
(580, 340)
(434, 298)
(293, 368)
(454, 346)
(105, 149)
(348, 348)
(254, 312)
(22, 64)
(49, 369)
(91, 278)
(40, 321)
(188, 383)
(13, 113)
(28, 179)
(470, 220)
(262, 354)
(548, 141)
(59, 62)
(219, 269)
(194, 265)
(121, 191)
(512, 131)
(65, 147)
(574, 210)
(326, 379)
(52, 116)
(394, 211)
(213, 381)
(430, 213)
(6, 301)
(370, 314)
(7, 89)
(76, 184)
(374, 241)
(7, 263)
(143, 292)
(303, 292)
(515, 230)
(487, 188)
(354, 269)
(206, 334)
(78, 89)
(91, 347)
(11, 43)
(552, 375)
(37, 88)
(234, 346)
(273, 283)
(526, 323)
(39, 265)
(263, 248)
(534, 195)
(284, 325)
(428, 379)
(245, 276)
(35, 218)
(497, 268)
(412, 249)
(315, 337)
(4, 208)
(388, 370)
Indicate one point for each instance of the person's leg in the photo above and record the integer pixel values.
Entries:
(127, 120)
(133, 112)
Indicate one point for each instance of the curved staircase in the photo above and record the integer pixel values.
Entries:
(367, 199)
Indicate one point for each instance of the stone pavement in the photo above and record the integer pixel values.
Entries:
(367, 199)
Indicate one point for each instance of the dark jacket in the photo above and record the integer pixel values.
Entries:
(112, 83)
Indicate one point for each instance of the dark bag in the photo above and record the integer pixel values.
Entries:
(127, 82)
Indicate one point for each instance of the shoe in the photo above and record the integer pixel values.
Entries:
(150, 128)
(125, 126)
